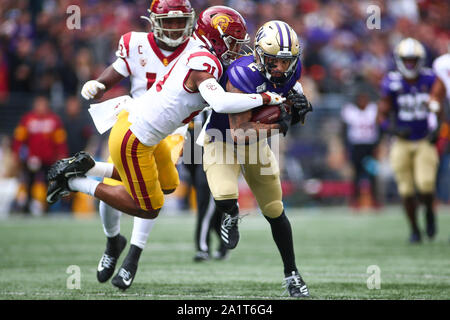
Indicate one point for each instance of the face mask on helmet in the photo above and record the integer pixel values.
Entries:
(172, 21)
(277, 51)
(235, 47)
(277, 69)
(409, 57)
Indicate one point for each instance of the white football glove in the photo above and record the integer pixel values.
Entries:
(91, 88)
(275, 98)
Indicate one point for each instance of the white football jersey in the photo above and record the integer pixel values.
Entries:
(441, 66)
(362, 124)
(140, 58)
(169, 104)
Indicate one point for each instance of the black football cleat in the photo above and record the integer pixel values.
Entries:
(229, 231)
(296, 286)
(430, 225)
(75, 166)
(124, 278)
(56, 190)
(108, 261)
(222, 253)
(415, 238)
(201, 256)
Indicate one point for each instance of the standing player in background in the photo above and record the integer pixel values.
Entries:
(39, 139)
(144, 122)
(413, 156)
(361, 136)
(441, 67)
(142, 57)
(275, 66)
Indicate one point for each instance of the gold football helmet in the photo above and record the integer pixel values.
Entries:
(276, 39)
(409, 57)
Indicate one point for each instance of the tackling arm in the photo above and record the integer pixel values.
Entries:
(227, 102)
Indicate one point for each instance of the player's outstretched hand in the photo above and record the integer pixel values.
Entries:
(91, 89)
(272, 98)
(300, 106)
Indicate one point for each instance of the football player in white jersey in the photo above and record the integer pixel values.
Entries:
(190, 85)
(142, 56)
(440, 90)
(441, 87)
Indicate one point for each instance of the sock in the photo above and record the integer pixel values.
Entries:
(110, 219)
(133, 254)
(409, 203)
(112, 245)
(101, 169)
(84, 185)
(141, 231)
(282, 235)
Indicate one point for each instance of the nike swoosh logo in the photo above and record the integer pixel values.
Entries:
(127, 282)
(73, 173)
(71, 160)
(254, 98)
(100, 268)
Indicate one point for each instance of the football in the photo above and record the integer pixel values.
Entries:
(267, 113)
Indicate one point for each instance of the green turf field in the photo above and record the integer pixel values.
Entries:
(333, 248)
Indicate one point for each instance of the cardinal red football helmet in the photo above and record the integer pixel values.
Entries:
(224, 31)
(161, 10)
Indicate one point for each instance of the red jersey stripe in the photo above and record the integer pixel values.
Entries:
(126, 42)
(123, 155)
(139, 176)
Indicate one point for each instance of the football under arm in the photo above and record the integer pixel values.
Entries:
(241, 126)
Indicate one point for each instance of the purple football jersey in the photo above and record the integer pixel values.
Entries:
(244, 76)
(409, 101)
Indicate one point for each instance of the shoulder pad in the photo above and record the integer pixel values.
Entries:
(203, 60)
(123, 50)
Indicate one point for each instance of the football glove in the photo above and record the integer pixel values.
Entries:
(433, 136)
(91, 88)
(300, 106)
(284, 120)
(273, 98)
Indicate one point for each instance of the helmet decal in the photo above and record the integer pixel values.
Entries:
(221, 20)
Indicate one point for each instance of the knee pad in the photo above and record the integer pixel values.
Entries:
(229, 206)
(273, 209)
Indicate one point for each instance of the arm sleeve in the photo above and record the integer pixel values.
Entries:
(121, 67)
(227, 102)
(438, 70)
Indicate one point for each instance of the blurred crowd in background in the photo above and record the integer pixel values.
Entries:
(341, 57)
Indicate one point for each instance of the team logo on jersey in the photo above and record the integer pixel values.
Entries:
(261, 88)
(221, 20)
(143, 62)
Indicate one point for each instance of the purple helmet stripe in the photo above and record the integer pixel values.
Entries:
(281, 35)
(289, 35)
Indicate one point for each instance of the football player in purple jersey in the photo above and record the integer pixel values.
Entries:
(404, 112)
(275, 66)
